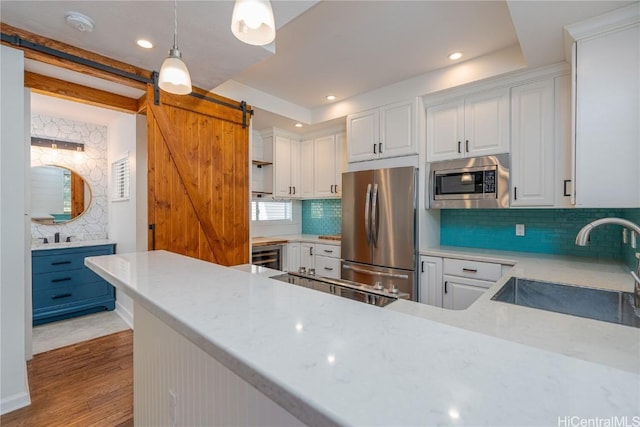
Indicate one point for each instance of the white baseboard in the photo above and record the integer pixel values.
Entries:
(124, 314)
(14, 402)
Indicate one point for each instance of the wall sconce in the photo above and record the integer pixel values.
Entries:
(252, 22)
(55, 144)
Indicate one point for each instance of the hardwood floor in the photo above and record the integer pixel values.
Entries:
(85, 384)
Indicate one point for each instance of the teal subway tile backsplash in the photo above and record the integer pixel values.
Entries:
(628, 253)
(321, 216)
(551, 231)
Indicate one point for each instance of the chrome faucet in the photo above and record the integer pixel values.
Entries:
(582, 239)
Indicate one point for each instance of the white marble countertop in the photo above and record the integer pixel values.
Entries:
(39, 246)
(350, 363)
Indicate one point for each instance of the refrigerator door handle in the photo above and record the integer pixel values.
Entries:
(374, 218)
(367, 222)
(375, 273)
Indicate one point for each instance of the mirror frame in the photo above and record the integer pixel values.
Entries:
(86, 183)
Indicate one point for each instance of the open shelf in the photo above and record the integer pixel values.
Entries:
(260, 163)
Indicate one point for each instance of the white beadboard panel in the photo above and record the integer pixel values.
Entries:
(207, 393)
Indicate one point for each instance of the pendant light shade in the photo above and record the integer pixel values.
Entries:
(174, 76)
(252, 22)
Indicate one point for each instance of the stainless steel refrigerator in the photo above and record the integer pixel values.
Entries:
(379, 228)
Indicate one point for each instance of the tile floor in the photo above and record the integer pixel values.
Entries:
(66, 332)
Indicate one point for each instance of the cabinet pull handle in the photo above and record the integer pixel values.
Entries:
(380, 147)
(64, 279)
(515, 193)
(374, 148)
(445, 287)
(294, 189)
(459, 145)
(311, 250)
(331, 189)
(328, 268)
(466, 145)
(61, 296)
(470, 270)
(289, 190)
(336, 188)
(152, 227)
(328, 251)
(422, 266)
(61, 262)
(566, 181)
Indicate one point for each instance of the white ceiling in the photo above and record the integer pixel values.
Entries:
(346, 48)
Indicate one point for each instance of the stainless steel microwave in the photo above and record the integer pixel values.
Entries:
(474, 182)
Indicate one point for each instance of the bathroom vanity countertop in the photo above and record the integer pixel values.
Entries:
(330, 360)
(39, 246)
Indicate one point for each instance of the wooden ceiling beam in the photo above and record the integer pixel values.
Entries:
(79, 93)
(80, 53)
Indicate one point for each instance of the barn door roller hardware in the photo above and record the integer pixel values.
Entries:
(26, 44)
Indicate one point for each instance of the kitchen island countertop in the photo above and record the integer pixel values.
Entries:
(357, 364)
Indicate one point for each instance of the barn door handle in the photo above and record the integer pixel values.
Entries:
(152, 227)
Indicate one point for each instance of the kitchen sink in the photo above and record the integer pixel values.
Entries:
(598, 304)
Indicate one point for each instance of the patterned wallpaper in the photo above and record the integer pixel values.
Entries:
(91, 165)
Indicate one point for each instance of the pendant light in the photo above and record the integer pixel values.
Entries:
(174, 76)
(252, 22)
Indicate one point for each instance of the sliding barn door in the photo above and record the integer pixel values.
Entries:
(198, 179)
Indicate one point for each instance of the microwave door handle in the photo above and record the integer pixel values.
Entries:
(374, 216)
(367, 222)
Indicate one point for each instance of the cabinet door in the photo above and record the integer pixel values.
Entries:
(445, 128)
(340, 157)
(486, 123)
(459, 293)
(430, 291)
(532, 144)
(324, 151)
(295, 169)
(397, 130)
(293, 257)
(307, 255)
(308, 159)
(362, 135)
(607, 110)
(327, 267)
(282, 167)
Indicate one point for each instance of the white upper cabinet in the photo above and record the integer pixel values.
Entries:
(322, 160)
(286, 167)
(607, 108)
(388, 131)
(532, 144)
(475, 125)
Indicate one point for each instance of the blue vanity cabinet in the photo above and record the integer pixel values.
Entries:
(63, 287)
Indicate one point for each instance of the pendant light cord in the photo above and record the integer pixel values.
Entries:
(175, 24)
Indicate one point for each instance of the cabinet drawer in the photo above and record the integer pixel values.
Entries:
(64, 278)
(472, 269)
(328, 267)
(332, 251)
(65, 259)
(61, 295)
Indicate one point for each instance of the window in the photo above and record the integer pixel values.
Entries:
(271, 211)
(120, 177)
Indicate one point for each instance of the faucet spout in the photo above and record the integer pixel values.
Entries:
(582, 239)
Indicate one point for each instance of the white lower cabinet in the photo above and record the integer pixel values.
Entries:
(327, 260)
(454, 283)
(459, 292)
(293, 257)
(430, 290)
(307, 255)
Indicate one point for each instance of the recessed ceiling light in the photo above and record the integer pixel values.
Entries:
(455, 55)
(144, 43)
(298, 125)
(331, 97)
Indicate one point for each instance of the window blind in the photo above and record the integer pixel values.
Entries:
(120, 175)
(271, 211)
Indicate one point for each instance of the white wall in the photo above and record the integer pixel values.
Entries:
(123, 213)
(14, 391)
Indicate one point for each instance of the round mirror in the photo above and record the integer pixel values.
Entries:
(58, 195)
